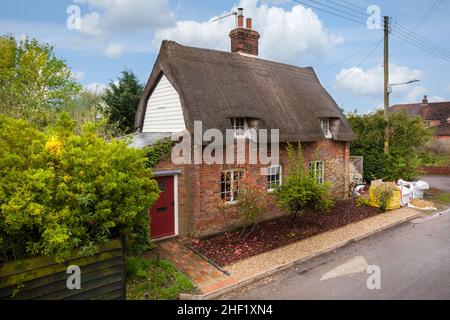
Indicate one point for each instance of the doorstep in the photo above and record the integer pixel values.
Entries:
(260, 266)
(206, 277)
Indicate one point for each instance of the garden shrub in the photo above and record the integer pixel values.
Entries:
(61, 191)
(252, 200)
(383, 193)
(301, 192)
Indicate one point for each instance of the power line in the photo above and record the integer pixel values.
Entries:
(349, 57)
(359, 64)
(411, 34)
(330, 12)
(363, 12)
(352, 4)
(428, 13)
(419, 45)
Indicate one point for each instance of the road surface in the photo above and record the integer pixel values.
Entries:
(437, 182)
(413, 261)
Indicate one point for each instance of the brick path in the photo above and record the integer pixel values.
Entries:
(206, 277)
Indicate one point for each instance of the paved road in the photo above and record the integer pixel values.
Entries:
(414, 262)
(438, 182)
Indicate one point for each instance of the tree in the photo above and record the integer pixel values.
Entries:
(34, 83)
(407, 134)
(123, 100)
(301, 192)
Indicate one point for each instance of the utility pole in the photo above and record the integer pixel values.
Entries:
(387, 26)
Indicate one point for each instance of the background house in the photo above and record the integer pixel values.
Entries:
(435, 115)
(234, 90)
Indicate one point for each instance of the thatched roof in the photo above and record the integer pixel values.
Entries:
(215, 86)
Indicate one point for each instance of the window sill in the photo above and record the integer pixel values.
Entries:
(230, 203)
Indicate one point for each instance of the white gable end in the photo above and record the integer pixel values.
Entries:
(164, 113)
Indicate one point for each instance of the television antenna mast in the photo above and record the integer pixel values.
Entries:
(238, 13)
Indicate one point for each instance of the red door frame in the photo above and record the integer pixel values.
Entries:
(163, 214)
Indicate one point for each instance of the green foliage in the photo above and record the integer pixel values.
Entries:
(361, 201)
(123, 100)
(154, 279)
(407, 139)
(252, 200)
(159, 151)
(300, 191)
(383, 194)
(34, 83)
(60, 190)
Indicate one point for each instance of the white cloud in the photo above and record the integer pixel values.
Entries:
(123, 16)
(97, 88)
(79, 75)
(436, 99)
(360, 82)
(114, 50)
(285, 35)
(417, 93)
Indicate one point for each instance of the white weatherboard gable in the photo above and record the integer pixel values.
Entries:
(164, 113)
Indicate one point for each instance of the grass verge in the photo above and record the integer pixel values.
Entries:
(440, 198)
(154, 280)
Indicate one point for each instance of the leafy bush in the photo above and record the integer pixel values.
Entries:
(301, 192)
(407, 139)
(252, 200)
(383, 194)
(60, 191)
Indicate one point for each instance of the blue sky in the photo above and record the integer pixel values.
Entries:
(119, 34)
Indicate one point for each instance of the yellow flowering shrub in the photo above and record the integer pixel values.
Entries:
(61, 191)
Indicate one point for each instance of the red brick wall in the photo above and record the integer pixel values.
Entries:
(199, 186)
(244, 40)
(436, 170)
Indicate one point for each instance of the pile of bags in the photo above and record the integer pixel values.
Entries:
(411, 190)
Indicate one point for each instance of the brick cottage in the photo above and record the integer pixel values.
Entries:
(237, 91)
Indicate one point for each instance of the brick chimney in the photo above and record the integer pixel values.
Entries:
(425, 100)
(244, 40)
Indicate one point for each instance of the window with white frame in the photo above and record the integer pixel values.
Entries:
(273, 177)
(229, 184)
(325, 124)
(317, 169)
(239, 125)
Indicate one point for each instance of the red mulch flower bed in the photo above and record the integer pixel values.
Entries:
(230, 247)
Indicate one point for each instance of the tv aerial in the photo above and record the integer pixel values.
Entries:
(238, 13)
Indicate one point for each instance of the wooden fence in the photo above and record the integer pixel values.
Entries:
(102, 276)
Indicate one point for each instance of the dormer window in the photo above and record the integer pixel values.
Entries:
(325, 124)
(240, 127)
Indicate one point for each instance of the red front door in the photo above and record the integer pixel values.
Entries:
(163, 211)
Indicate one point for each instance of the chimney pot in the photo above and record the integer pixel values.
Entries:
(240, 21)
(249, 23)
(425, 99)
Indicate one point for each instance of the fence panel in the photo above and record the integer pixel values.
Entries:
(102, 276)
